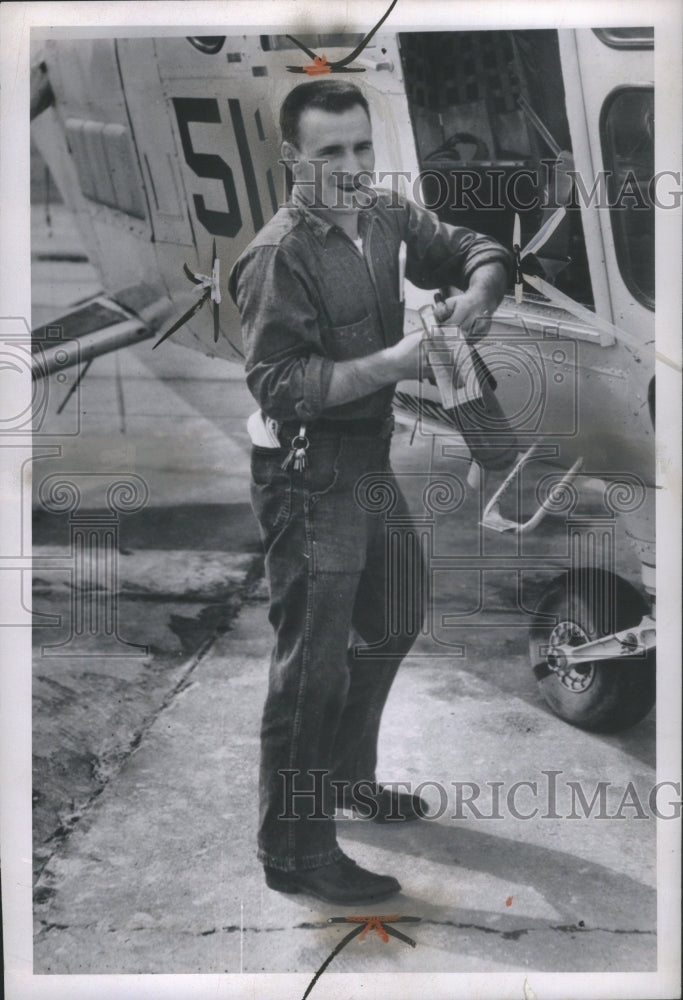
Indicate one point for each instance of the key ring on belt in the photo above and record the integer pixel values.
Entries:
(297, 452)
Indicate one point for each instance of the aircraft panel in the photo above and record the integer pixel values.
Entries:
(600, 71)
(155, 140)
(229, 181)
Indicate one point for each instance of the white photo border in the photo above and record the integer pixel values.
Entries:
(88, 19)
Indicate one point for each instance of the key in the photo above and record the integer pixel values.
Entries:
(297, 451)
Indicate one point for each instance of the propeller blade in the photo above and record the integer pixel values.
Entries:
(576, 309)
(516, 238)
(185, 318)
(584, 314)
(214, 256)
(545, 232)
(216, 326)
(191, 276)
(216, 280)
(359, 48)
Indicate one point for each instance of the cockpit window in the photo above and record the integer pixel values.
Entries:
(627, 132)
(488, 111)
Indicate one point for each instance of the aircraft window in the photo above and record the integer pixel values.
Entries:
(275, 43)
(627, 38)
(627, 132)
(463, 89)
(211, 44)
(481, 156)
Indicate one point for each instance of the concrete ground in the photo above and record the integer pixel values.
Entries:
(145, 765)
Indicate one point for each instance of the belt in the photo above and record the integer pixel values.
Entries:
(381, 427)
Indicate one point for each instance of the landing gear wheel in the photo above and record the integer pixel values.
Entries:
(601, 695)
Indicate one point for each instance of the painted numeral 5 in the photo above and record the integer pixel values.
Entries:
(205, 109)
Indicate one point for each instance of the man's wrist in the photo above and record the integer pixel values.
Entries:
(390, 365)
(361, 376)
(487, 286)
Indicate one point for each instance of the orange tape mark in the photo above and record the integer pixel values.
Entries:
(320, 65)
(374, 923)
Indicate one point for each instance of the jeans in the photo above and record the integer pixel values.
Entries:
(332, 600)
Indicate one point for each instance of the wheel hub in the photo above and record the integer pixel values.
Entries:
(576, 678)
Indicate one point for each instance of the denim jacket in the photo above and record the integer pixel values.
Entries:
(308, 297)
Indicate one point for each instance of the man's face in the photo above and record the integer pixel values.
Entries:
(343, 141)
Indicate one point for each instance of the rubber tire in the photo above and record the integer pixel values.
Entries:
(621, 694)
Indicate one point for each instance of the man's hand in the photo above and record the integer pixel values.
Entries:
(472, 310)
(360, 376)
(466, 310)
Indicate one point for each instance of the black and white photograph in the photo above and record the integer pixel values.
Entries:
(341, 515)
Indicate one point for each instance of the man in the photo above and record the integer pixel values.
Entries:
(319, 293)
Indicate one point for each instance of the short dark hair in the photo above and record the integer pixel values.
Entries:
(328, 95)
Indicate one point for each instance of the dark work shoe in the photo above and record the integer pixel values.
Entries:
(384, 805)
(342, 882)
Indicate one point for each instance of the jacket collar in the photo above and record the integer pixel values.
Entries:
(320, 226)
